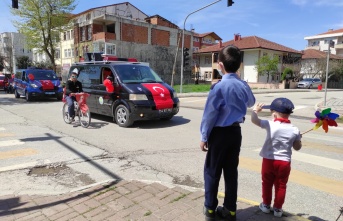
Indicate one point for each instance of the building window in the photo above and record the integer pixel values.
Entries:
(65, 53)
(69, 53)
(208, 60)
(57, 54)
(89, 33)
(72, 34)
(64, 36)
(83, 33)
(110, 49)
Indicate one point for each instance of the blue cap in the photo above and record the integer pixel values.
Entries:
(281, 105)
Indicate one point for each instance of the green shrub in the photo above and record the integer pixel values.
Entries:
(287, 72)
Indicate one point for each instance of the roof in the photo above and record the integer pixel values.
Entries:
(316, 54)
(212, 34)
(158, 16)
(332, 32)
(250, 42)
(91, 9)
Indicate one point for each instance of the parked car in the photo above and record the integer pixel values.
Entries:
(309, 83)
(2, 82)
(37, 83)
(135, 92)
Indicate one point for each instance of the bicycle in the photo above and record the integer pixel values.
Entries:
(81, 110)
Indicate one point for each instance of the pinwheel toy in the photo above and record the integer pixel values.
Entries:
(324, 119)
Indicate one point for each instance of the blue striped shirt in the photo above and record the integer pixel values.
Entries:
(226, 104)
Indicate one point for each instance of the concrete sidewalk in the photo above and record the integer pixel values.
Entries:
(123, 200)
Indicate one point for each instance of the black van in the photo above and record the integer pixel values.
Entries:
(136, 91)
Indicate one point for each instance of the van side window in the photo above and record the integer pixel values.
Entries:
(105, 73)
(89, 75)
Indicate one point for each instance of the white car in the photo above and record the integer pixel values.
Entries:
(309, 83)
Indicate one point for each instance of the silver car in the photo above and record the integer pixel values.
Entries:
(309, 83)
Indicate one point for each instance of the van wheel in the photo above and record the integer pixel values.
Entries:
(310, 87)
(122, 116)
(28, 97)
(167, 118)
(16, 94)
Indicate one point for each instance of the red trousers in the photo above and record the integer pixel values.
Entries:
(275, 173)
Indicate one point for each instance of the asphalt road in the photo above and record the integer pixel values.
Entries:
(39, 153)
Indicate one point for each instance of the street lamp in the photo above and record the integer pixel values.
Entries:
(183, 39)
(330, 44)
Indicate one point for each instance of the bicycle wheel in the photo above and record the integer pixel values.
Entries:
(85, 118)
(65, 114)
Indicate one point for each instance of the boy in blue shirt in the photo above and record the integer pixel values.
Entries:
(221, 136)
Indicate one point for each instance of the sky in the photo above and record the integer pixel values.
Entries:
(286, 22)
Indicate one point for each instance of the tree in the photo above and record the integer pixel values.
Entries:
(317, 67)
(23, 62)
(41, 22)
(266, 65)
(2, 65)
(336, 69)
(287, 74)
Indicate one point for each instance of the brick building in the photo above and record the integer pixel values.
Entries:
(125, 31)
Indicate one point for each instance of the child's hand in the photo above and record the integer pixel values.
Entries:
(258, 107)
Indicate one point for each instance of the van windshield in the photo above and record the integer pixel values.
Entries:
(136, 74)
(42, 74)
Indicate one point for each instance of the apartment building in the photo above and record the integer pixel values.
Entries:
(321, 41)
(202, 41)
(252, 47)
(125, 31)
(12, 46)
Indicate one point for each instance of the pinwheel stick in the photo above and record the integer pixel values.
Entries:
(307, 131)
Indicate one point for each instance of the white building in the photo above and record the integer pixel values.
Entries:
(321, 41)
(252, 48)
(13, 45)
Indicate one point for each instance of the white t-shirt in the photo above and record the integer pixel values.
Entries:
(279, 141)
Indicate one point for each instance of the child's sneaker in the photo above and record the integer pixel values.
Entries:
(264, 208)
(209, 214)
(278, 212)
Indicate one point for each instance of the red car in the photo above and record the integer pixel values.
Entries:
(3, 81)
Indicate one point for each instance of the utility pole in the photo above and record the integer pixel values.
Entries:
(174, 66)
(330, 44)
(14, 68)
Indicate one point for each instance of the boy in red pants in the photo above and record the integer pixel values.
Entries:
(276, 152)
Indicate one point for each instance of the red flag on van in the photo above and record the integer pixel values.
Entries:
(161, 95)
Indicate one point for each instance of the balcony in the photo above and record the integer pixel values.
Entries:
(105, 36)
(316, 47)
(339, 46)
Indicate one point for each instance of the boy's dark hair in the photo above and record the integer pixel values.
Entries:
(230, 56)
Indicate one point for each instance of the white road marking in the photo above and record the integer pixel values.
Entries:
(316, 160)
(24, 165)
(7, 143)
(192, 101)
(323, 137)
(297, 107)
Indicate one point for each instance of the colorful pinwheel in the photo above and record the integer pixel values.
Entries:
(324, 119)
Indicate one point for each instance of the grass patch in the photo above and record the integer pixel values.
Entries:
(148, 213)
(339, 120)
(189, 88)
(178, 198)
(106, 190)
